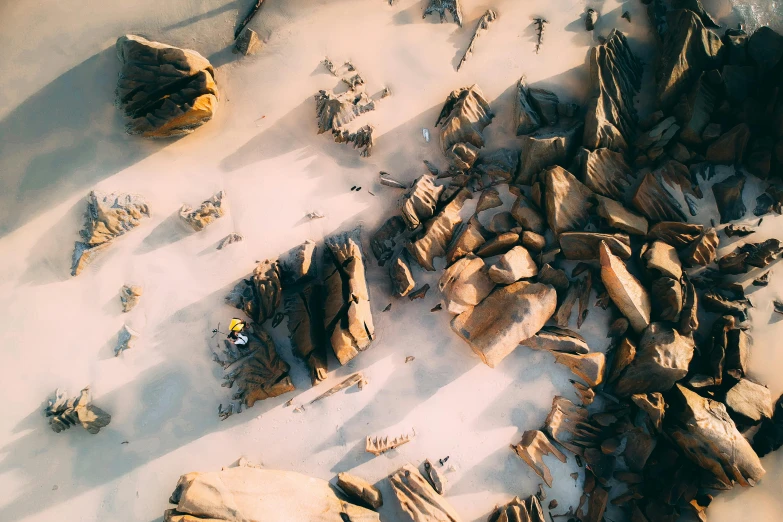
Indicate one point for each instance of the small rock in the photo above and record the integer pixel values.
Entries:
(532, 241)
(125, 339)
(514, 265)
(248, 42)
(129, 296)
(591, 17)
(662, 257)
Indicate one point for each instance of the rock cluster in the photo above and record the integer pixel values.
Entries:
(205, 214)
(64, 412)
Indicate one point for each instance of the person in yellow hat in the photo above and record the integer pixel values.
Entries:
(235, 334)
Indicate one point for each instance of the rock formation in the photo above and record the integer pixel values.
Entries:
(259, 295)
(420, 202)
(483, 25)
(567, 201)
(438, 232)
(163, 90)
(206, 213)
(129, 296)
(533, 447)
(304, 308)
(442, 6)
(64, 412)
(417, 500)
(465, 284)
(463, 118)
(360, 490)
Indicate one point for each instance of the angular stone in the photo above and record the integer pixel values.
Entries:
(737, 353)
(299, 265)
(625, 290)
(585, 246)
(532, 241)
(401, 276)
(490, 198)
(701, 251)
(501, 223)
(545, 148)
(553, 276)
(465, 284)
(248, 42)
(662, 257)
(729, 149)
(512, 266)
(694, 110)
(382, 243)
(499, 165)
(419, 203)
(557, 339)
(619, 217)
(662, 359)
(438, 232)
(728, 197)
(508, 316)
(206, 213)
(416, 499)
(569, 425)
(462, 155)
(468, 239)
(653, 405)
(64, 412)
(675, 233)
(588, 367)
(654, 199)
(765, 48)
(606, 172)
(360, 490)
(568, 201)
(624, 354)
(528, 215)
(527, 118)
(533, 447)
(666, 297)
(129, 296)
(749, 402)
(498, 245)
(463, 118)
(163, 90)
(260, 295)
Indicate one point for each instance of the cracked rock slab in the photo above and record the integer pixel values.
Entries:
(625, 290)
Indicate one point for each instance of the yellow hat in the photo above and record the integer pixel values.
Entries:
(236, 325)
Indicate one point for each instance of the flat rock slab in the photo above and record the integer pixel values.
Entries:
(508, 316)
(625, 290)
(585, 246)
(619, 217)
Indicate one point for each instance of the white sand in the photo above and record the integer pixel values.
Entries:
(60, 137)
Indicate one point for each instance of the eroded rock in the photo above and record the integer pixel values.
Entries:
(64, 412)
(568, 201)
(728, 197)
(360, 490)
(419, 203)
(702, 251)
(382, 243)
(625, 290)
(589, 367)
(304, 309)
(261, 294)
(749, 402)
(547, 147)
(129, 296)
(557, 339)
(533, 447)
(512, 266)
(438, 232)
(619, 217)
(465, 284)
(463, 118)
(662, 257)
(417, 500)
(209, 210)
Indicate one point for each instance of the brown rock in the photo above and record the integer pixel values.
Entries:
(401, 276)
(490, 198)
(533, 242)
(585, 246)
(557, 339)
(689, 321)
(468, 238)
(662, 359)
(508, 316)
(545, 148)
(528, 215)
(419, 203)
(498, 245)
(64, 412)
(586, 394)
(625, 290)
(499, 165)
(512, 266)
(624, 354)
(463, 118)
(675, 233)
(304, 309)
(533, 447)
(553, 276)
(654, 199)
(589, 367)
(567, 201)
(749, 402)
(606, 173)
(666, 297)
(527, 118)
(729, 149)
(383, 241)
(417, 501)
(728, 197)
(619, 217)
(299, 264)
(737, 353)
(360, 490)
(568, 425)
(438, 232)
(662, 257)
(639, 445)
(653, 405)
(694, 110)
(164, 91)
(501, 223)
(702, 251)
(248, 42)
(465, 284)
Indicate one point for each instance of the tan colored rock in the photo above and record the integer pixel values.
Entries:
(347, 313)
(64, 412)
(607, 173)
(528, 215)
(557, 339)
(512, 266)
(624, 354)
(469, 238)
(655, 199)
(417, 501)
(675, 233)
(251, 493)
(498, 245)
(653, 405)
(533, 242)
(553, 276)
(438, 232)
(205, 214)
(585, 246)
(248, 42)
(419, 203)
(703, 250)
(129, 296)
(568, 201)
(569, 425)
(463, 118)
(533, 447)
(662, 257)
(619, 217)
(626, 292)
(589, 367)
(465, 284)
(304, 310)
(260, 295)
(401, 276)
(490, 198)
(164, 91)
(749, 402)
(360, 490)
(508, 316)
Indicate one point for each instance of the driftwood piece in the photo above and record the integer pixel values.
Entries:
(252, 493)
(304, 309)
(463, 118)
(164, 91)
(107, 218)
(442, 6)
(129, 296)
(347, 314)
(508, 316)
(380, 445)
(360, 490)
(417, 500)
(465, 284)
(533, 447)
(568, 201)
(662, 358)
(625, 290)
(589, 367)
(246, 20)
(419, 203)
(557, 339)
(199, 218)
(64, 412)
(259, 295)
(438, 232)
(483, 24)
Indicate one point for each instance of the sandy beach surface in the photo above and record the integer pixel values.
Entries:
(61, 136)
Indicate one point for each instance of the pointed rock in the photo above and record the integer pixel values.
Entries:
(606, 172)
(545, 148)
(533, 447)
(465, 284)
(360, 490)
(666, 297)
(557, 339)
(401, 276)
(463, 118)
(567, 201)
(490, 198)
(749, 402)
(625, 290)
(512, 266)
(728, 197)
(662, 257)
(676, 233)
(624, 354)
(584, 246)
(589, 367)
(619, 217)
(653, 199)
(438, 232)
(498, 245)
(528, 215)
(701, 251)
(553, 276)
(527, 118)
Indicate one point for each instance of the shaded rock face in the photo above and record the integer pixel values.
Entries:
(304, 308)
(108, 217)
(205, 214)
(64, 412)
(508, 316)
(417, 500)
(251, 493)
(347, 314)
(527, 118)
(129, 296)
(702, 428)
(615, 78)
(463, 118)
(261, 294)
(625, 290)
(694, 110)
(545, 148)
(662, 359)
(688, 49)
(606, 173)
(164, 91)
(568, 201)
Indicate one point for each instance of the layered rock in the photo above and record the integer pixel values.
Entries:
(260, 295)
(545, 148)
(463, 118)
(417, 500)
(64, 412)
(209, 210)
(465, 284)
(163, 90)
(438, 232)
(419, 203)
(568, 201)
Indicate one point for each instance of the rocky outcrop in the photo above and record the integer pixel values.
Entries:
(533, 447)
(163, 90)
(205, 214)
(260, 295)
(347, 314)
(547, 147)
(463, 118)
(419, 203)
(64, 412)
(108, 217)
(508, 316)
(304, 309)
(252, 493)
(417, 500)
(568, 201)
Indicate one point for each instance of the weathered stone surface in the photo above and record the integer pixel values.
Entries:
(666, 297)
(619, 217)
(126, 339)
(654, 140)
(553, 276)
(533, 447)
(401, 276)
(508, 316)
(417, 500)
(662, 359)
(624, 354)
(708, 437)
(107, 217)
(164, 91)
(557, 339)
(436, 479)
(498, 245)
(209, 210)
(360, 490)
(765, 48)
(615, 78)
(728, 197)
(653, 405)
(248, 42)
(654, 199)
(419, 203)
(438, 232)
(588, 367)
(675, 233)
(347, 313)
(545, 148)
(584, 246)
(490, 198)
(737, 353)
(64, 412)
(304, 309)
(129, 296)
(662, 257)
(252, 493)
(512, 266)
(499, 165)
(545, 103)
(382, 242)
(527, 118)
(465, 284)
(568, 201)
(463, 118)
(299, 266)
(625, 290)
(568, 424)
(441, 7)
(532, 241)
(259, 295)
(528, 215)
(702, 250)
(606, 172)
(688, 49)
(501, 223)
(462, 155)
(518, 510)
(468, 238)
(749, 402)
(694, 110)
